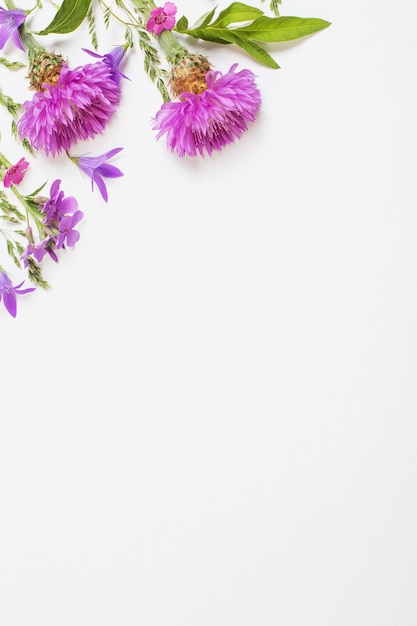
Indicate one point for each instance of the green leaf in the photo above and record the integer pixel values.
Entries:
(255, 51)
(182, 25)
(236, 12)
(278, 29)
(258, 28)
(204, 19)
(68, 17)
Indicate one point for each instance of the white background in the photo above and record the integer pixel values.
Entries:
(210, 417)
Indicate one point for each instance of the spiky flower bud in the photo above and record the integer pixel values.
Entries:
(189, 75)
(45, 68)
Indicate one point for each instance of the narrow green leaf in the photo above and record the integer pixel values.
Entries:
(217, 35)
(255, 51)
(205, 19)
(236, 12)
(68, 17)
(278, 29)
(208, 34)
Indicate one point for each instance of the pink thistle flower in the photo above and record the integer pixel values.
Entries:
(8, 292)
(207, 121)
(14, 175)
(9, 26)
(162, 18)
(77, 107)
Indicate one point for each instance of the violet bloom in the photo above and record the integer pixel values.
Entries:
(57, 205)
(14, 175)
(61, 214)
(10, 20)
(67, 234)
(97, 167)
(8, 292)
(212, 119)
(77, 107)
(113, 60)
(162, 18)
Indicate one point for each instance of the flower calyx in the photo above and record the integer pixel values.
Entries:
(45, 69)
(189, 75)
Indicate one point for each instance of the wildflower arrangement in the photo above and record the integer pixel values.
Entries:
(203, 110)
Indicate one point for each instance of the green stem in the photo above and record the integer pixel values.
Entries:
(28, 208)
(4, 162)
(173, 50)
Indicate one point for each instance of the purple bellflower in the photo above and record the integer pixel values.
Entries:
(113, 60)
(10, 20)
(212, 118)
(97, 168)
(8, 292)
(77, 106)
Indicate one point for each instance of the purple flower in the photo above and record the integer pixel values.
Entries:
(9, 26)
(77, 107)
(67, 234)
(8, 292)
(14, 175)
(97, 167)
(210, 120)
(162, 18)
(61, 214)
(57, 205)
(113, 60)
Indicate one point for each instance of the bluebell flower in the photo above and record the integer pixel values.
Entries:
(10, 20)
(97, 168)
(8, 292)
(112, 60)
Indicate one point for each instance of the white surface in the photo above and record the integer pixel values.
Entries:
(210, 418)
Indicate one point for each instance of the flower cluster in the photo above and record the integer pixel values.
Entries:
(60, 215)
(202, 111)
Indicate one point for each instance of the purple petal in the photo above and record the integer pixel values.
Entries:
(72, 238)
(100, 184)
(111, 153)
(9, 298)
(109, 171)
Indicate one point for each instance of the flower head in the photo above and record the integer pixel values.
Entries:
(211, 118)
(78, 106)
(97, 168)
(162, 18)
(8, 292)
(10, 20)
(14, 175)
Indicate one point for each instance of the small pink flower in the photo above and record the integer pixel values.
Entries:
(14, 175)
(162, 18)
